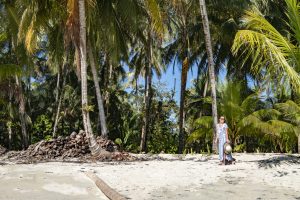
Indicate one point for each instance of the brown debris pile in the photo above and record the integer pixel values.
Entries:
(73, 147)
(2, 150)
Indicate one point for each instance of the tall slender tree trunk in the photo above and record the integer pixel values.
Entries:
(104, 131)
(185, 67)
(143, 145)
(57, 85)
(9, 122)
(204, 95)
(108, 83)
(22, 113)
(54, 134)
(147, 96)
(299, 144)
(94, 146)
(211, 67)
(77, 59)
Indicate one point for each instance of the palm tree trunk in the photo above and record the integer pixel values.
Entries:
(94, 146)
(299, 144)
(57, 116)
(8, 124)
(108, 83)
(211, 68)
(185, 67)
(60, 99)
(77, 59)
(147, 96)
(102, 118)
(204, 95)
(145, 117)
(22, 113)
(57, 86)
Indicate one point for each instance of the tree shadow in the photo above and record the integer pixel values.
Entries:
(278, 160)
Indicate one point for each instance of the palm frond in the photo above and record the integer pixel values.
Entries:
(293, 14)
(290, 111)
(266, 47)
(156, 16)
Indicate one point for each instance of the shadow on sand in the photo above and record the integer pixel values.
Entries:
(278, 160)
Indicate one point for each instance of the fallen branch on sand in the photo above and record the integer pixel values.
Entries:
(108, 191)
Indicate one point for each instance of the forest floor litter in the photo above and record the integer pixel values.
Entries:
(163, 176)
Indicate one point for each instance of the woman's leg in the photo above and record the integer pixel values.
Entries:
(221, 150)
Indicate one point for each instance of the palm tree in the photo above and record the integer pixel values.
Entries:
(102, 118)
(75, 32)
(291, 114)
(182, 49)
(17, 65)
(268, 48)
(268, 122)
(95, 148)
(233, 106)
(152, 29)
(211, 67)
(109, 37)
(250, 118)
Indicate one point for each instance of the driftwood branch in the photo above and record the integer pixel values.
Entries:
(108, 191)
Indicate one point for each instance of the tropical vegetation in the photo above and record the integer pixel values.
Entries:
(111, 68)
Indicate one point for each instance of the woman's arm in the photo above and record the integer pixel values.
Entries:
(217, 138)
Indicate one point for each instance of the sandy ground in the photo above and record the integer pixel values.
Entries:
(191, 177)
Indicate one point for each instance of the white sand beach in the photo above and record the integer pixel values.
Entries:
(254, 176)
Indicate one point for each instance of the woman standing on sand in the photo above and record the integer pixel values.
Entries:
(222, 137)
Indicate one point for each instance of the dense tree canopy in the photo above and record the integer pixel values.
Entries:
(96, 65)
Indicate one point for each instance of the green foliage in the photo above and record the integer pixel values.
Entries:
(267, 47)
(246, 120)
(259, 99)
(240, 148)
(42, 128)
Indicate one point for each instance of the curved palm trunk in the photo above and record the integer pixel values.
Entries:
(185, 67)
(211, 68)
(94, 146)
(102, 119)
(22, 113)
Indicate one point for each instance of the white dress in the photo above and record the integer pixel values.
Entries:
(221, 129)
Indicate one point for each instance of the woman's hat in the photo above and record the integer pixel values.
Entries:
(227, 148)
